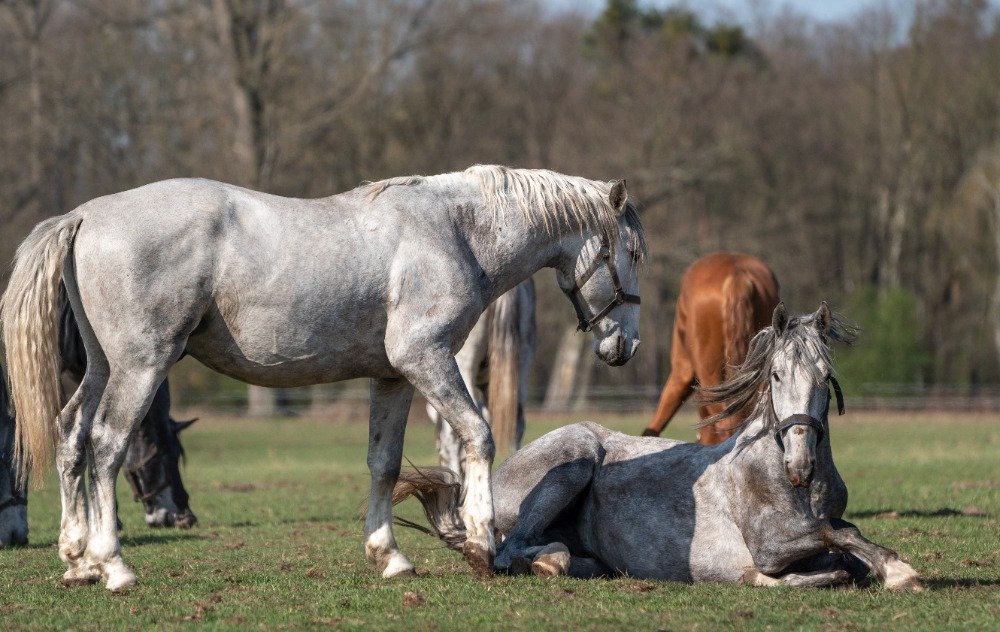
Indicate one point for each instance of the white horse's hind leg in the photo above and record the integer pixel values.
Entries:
(71, 462)
(390, 405)
(123, 404)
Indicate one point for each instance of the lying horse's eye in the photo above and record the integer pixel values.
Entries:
(774, 376)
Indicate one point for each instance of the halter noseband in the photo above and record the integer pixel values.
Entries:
(799, 420)
(803, 419)
(621, 296)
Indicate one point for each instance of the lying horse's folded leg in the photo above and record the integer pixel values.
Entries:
(390, 405)
(813, 579)
(885, 563)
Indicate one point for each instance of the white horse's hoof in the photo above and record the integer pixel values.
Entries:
(119, 577)
(398, 566)
(80, 576)
(900, 576)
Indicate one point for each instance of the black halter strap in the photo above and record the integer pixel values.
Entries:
(621, 296)
(839, 394)
(16, 500)
(798, 420)
(134, 478)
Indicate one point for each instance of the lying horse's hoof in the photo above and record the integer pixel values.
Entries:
(900, 576)
(479, 558)
(553, 561)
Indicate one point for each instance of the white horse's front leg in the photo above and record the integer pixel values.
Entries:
(390, 405)
(435, 374)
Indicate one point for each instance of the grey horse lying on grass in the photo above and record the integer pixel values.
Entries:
(762, 508)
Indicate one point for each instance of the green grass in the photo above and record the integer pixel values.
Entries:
(279, 544)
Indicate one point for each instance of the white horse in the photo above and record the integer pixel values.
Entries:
(384, 281)
(494, 363)
(762, 508)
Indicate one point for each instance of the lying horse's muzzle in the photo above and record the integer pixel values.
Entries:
(799, 465)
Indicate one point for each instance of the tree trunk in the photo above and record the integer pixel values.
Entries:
(565, 369)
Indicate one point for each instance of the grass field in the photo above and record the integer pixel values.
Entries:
(279, 544)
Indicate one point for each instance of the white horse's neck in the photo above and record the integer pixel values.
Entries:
(510, 250)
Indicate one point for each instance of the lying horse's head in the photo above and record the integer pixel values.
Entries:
(602, 282)
(786, 380)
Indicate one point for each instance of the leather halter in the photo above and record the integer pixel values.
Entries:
(132, 475)
(800, 419)
(16, 500)
(621, 296)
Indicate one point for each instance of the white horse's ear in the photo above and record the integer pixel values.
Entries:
(779, 320)
(822, 319)
(618, 196)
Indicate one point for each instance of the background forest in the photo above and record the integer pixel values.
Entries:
(860, 159)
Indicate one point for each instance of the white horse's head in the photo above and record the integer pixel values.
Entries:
(601, 280)
(800, 379)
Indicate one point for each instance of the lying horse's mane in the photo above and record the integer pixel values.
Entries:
(750, 386)
(548, 200)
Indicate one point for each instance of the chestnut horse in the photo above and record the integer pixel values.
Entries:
(726, 297)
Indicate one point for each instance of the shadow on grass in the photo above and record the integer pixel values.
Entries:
(126, 540)
(969, 512)
(165, 537)
(944, 583)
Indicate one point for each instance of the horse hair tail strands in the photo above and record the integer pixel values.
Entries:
(30, 314)
(439, 491)
(737, 317)
(504, 367)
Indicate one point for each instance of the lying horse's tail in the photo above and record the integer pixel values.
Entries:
(505, 365)
(738, 291)
(439, 491)
(31, 311)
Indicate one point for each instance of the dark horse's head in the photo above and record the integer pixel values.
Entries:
(13, 499)
(152, 464)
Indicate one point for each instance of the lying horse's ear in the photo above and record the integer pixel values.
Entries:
(779, 320)
(618, 196)
(822, 319)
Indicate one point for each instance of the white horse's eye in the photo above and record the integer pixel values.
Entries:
(774, 376)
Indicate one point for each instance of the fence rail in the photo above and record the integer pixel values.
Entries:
(984, 399)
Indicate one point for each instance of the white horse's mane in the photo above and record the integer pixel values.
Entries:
(546, 199)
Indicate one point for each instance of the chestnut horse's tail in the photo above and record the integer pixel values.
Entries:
(31, 312)
(505, 367)
(739, 292)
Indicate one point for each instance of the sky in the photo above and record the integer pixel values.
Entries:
(742, 10)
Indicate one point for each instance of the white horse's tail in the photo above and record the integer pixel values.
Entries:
(439, 491)
(502, 395)
(30, 312)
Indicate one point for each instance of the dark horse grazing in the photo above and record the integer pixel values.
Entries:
(151, 463)
(763, 508)
(725, 298)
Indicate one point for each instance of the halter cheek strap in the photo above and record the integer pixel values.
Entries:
(839, 393)
(798, 420)
(621, 296)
